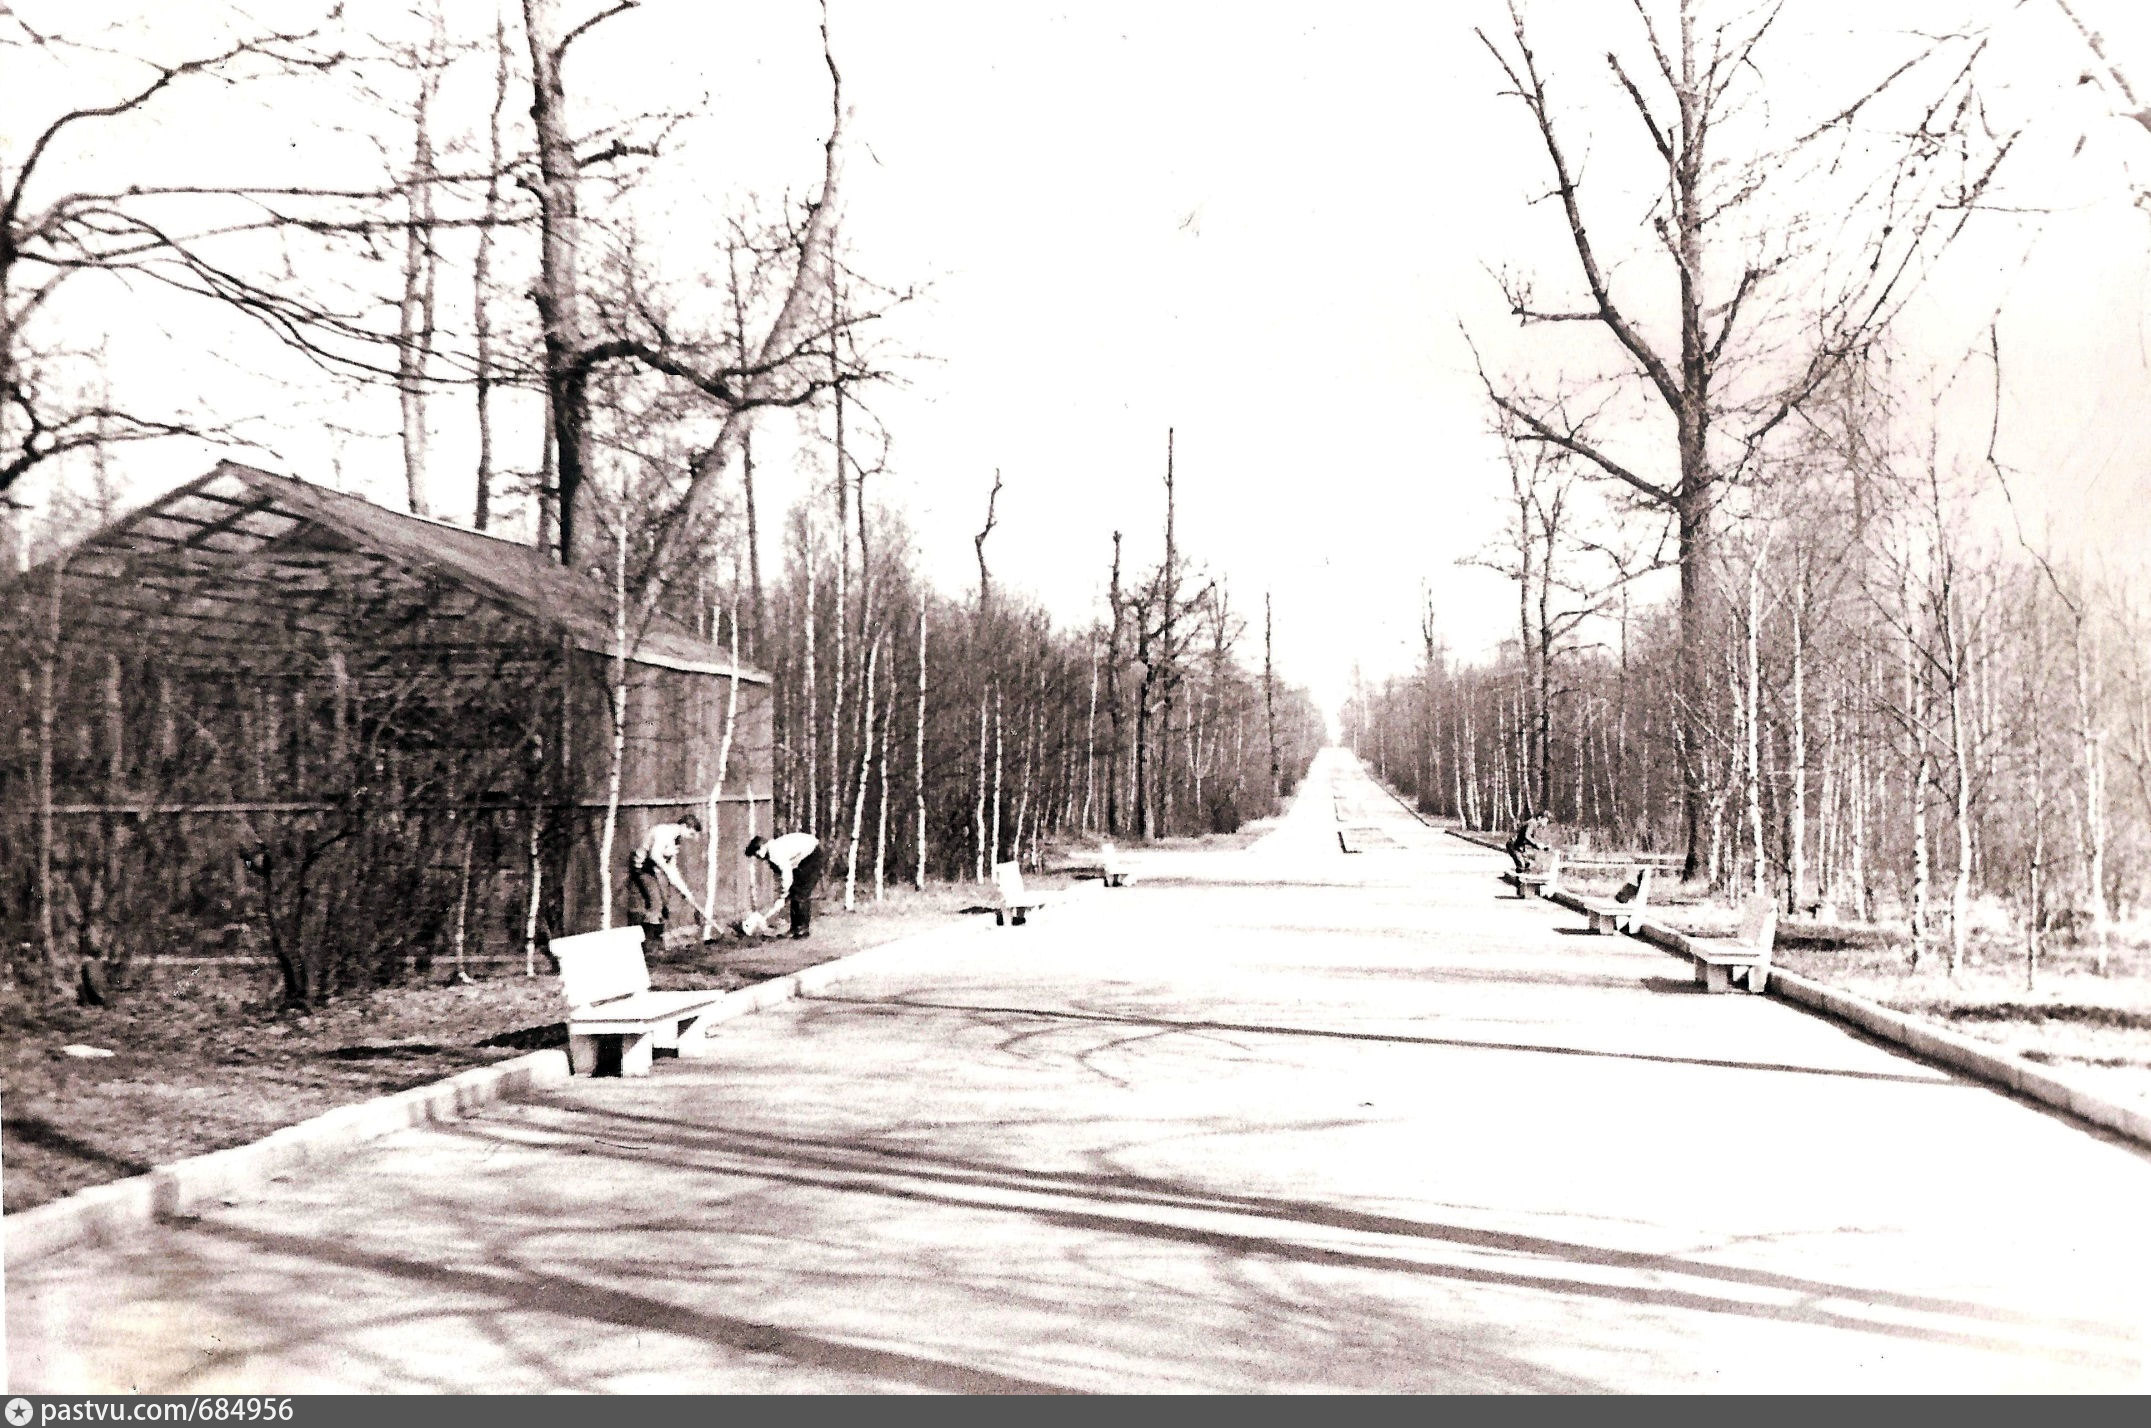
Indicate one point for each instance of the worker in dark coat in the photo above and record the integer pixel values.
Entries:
(1528, 841)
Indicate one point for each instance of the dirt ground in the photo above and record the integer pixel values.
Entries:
(204, 1058)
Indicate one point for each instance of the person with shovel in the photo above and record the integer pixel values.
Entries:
(797, 857)
(657, 857)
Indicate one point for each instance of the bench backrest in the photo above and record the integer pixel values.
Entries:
(1008, 878)
(1758, 922)
(1637, 893)
(601, 966)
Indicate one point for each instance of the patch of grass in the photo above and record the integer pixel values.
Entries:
(205, 1059)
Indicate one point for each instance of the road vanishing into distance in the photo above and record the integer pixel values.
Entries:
(1279, 1118)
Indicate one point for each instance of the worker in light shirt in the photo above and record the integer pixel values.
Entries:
(797, 857)
(655, 863)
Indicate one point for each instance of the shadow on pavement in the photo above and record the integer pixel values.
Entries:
(902, 1172)
(1937, 1079)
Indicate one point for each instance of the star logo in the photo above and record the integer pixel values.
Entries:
(18, 1411)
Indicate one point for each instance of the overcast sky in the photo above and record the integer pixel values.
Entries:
(1267, 226)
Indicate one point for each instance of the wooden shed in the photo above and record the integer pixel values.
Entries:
(257, 709)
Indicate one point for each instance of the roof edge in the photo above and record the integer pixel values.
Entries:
(747, 673)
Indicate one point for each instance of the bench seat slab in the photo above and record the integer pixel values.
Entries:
(1716, 968)
(641, 1009)
(1611, 916)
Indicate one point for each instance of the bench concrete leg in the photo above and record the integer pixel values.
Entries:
(1600, 923)
(1759, 978)
(693, 1040)
(1000, 919)
(636, 1052)
(1713, 976)
(582, 1054)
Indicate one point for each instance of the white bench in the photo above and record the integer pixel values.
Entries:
(1111, 868)
(1745, 956)
(1534, 882)
(611, 1008)
(1620, 913)
(1015, 902)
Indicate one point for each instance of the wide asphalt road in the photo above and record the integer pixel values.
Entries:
(1280, 1119)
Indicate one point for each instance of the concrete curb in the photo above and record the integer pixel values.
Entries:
(1962, 1053)
(103, 1213)
(1927, 1040)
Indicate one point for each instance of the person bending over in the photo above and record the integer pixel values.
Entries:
(1526, 843)
(797, 857)
(656, 862)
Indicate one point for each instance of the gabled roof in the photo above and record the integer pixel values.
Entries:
(236, 544)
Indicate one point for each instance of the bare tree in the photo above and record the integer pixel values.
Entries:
(866, 762)
(918, 756)
(783, 367)
(978, 544)
(1269, 699)
(59, 234)
(417, 320)
(1769, 304)
(483, 370)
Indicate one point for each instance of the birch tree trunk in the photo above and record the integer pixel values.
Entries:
(1457, 733)
(1114, 705)
(2094, 799)
(618, 701)
(1796, 870)
(837, 670)
(1269, 703)
(1960, 891)
(421, 270)
(1916, 781)
(858, 803)
(1752, 720)
(47, 697)
(881, 819)
(1169, 589)
(811, 726)
(993, 853)
(724, 765)
(978, 807)
(463, 900)
(918, 755)
(537, 890)
(481, 280)
(2033, 889)
(1090, 742)
(1023, 781)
